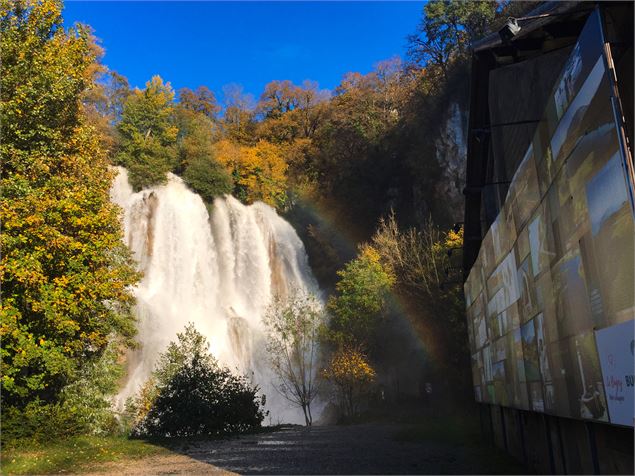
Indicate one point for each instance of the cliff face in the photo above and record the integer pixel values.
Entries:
(451, 150)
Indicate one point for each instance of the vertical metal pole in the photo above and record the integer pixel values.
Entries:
(491, 424)
(552, 459)
(590, 431)
(562, 452)
(504, 428)
(521, 427)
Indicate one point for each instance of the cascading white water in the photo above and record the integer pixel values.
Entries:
(219, 270)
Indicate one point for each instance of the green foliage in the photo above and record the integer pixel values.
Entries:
(65, 271)
(446, 29)
(420, 260)
(196, 155)
(208, 178)
(73, 455)
(190, 394)
(360, 300)
(148, 136)
(82, 407)
(293, 325)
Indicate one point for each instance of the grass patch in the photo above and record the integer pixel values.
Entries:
(73, 455)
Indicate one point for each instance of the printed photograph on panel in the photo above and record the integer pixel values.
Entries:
(527, 303)
(500, 390)
(573, 312)
(540, 243)
(572, 123)
(536, 397)
(530, 351)
(546, 296)
(557, 399)
(480, 325)
(520, 390)
(613, 237)
(541, 342)
(522, 245)
(487, 363)
(616, 349)
(525, 190)
(586, 387)
(577, 68)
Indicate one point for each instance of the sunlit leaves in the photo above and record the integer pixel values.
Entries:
(66, 274)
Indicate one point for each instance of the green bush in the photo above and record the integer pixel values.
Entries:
(190, 394)
(83, 407)
(208, 178)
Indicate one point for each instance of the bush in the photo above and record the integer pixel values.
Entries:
(195, 396)
(84, 406)
(208, 178)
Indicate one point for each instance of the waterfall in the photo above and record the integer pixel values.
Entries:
(218, 269)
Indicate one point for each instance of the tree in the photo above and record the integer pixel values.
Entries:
(202, 100)
(238, 119)
(190, 394)
(352, 375)
(66, 274)
(446, 29)
(259, 171)
(422, 262)
(360, 299)
(196, 155)
(208, 178)
(278, 98)
(148, 136)
(292, 343)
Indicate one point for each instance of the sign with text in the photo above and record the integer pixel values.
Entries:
(616, 350)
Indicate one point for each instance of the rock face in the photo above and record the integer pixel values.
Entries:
(218, 269)
(451, 150)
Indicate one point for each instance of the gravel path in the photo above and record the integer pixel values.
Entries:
(357, 449)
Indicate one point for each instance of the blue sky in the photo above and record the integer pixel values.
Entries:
(250, 43)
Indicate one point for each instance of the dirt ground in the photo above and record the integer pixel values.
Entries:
(355, 449)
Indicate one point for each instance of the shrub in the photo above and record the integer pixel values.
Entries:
(195, 396)
(208, 178)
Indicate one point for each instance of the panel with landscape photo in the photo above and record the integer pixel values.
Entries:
(586, 387)
(572, 307)
(610, 249)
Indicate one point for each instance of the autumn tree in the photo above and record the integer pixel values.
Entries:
(360, 299)
(66, 274)
(201, 100)
(258, 172)
(352, 375)
(238, 121)
(292, 325)
(425, 262)
(148, 135)
(278, 98)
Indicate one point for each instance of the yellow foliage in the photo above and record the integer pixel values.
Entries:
(349, 367)
(259, 171)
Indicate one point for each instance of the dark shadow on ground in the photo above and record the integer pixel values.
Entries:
(427, 444)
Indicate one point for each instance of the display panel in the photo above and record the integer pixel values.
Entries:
(551, 294)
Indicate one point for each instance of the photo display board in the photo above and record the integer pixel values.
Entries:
(550, 298)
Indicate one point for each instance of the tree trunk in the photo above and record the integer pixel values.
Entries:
(307, 422)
